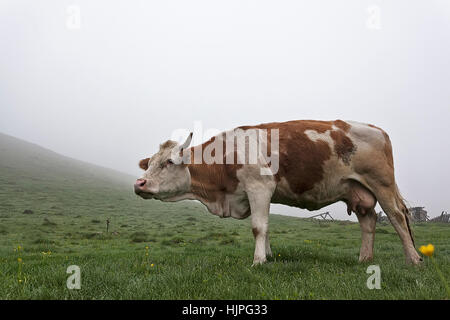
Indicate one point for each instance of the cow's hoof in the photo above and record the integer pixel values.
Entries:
(258, 262)
(415, 261)
(363, 259)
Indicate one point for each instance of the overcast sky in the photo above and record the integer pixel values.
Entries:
(107, 81)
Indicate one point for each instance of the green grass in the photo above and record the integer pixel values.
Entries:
(195, 255)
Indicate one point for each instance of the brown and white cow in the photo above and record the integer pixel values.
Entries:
(320, 163)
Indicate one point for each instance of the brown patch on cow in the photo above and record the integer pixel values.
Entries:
(301, 159)
(342, 125)
(294, 126)
(301, 164)
(143, 164)
(343, 145)
(255, 232)
(212, 181)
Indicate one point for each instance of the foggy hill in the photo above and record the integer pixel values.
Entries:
(32, 176)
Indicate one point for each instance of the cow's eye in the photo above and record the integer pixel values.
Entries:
(166, 163)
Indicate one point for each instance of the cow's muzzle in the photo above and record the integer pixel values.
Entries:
(140, 188)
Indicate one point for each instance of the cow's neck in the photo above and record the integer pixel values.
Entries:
(210, 184)
(204, 185)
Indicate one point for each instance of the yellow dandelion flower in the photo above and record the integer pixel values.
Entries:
(427, 250)
(152, 265)
(146, 247)
(19, 260)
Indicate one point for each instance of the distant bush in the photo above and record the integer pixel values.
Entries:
(173, 241)
(49, 223)
(28, 211)
(139, 236)
(91, 235)
(44, 241)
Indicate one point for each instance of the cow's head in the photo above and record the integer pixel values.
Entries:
(166, 175)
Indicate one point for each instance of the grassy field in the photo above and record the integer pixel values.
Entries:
(191, 254)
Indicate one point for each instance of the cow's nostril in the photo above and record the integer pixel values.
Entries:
(140, 182)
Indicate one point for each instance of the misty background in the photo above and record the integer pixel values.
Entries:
(106, 82)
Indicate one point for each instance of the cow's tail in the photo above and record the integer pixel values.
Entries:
(401, 204)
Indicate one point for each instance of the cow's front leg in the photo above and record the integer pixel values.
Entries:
(268, 250)
(260, 205)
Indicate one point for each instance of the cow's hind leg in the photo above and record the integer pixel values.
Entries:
(367, 223)
(362, 201)
(397, 212)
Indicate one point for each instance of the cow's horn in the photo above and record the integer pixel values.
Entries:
(187, 142)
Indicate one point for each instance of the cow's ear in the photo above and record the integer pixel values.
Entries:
(143, 164)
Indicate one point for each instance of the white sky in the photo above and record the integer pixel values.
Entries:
(112, 90)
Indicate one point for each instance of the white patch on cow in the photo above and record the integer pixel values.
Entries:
(366, 133)
(313, 135)
(365, 138)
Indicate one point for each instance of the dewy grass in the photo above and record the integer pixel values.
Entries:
(308, 263)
